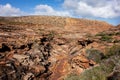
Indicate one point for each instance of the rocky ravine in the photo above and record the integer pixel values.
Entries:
(49, 48)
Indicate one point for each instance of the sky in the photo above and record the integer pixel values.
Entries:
(105, 10)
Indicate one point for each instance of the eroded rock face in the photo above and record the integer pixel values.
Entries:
(31, 63)
(31, 51)
(48, 58)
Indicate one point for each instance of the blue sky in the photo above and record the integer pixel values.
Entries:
(106, 10)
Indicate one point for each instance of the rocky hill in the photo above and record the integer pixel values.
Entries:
(63, 23)
(58, 48)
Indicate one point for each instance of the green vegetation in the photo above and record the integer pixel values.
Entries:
(108, 36)
(99, 72)
(72, 76)
(106, 66)
(94, 55)
(95, 73)
(101, 34)
(114, 50)
(105, 37)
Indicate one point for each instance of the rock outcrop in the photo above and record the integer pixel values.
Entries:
(51, 48)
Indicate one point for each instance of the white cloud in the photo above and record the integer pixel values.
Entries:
(8, 10)
(48, 10)
(70, 4)
(76, 8)
(93, 8)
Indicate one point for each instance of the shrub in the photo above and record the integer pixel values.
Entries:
(106, 38)
(101, 34)
(72, 77)
(114, 50)
(95, 55)
(100, 72)
(95, 73)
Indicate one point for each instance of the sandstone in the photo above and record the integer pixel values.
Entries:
(28, 76)
(81, 59)
(49, 48)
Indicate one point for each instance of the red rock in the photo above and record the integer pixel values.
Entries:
(48, 48)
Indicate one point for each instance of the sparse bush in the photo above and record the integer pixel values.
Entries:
(108, 34)
(100, 34)
(95, 73)
(100, 72)
(106, 38)
(72, 77)
(114, 50)
(95, 55)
